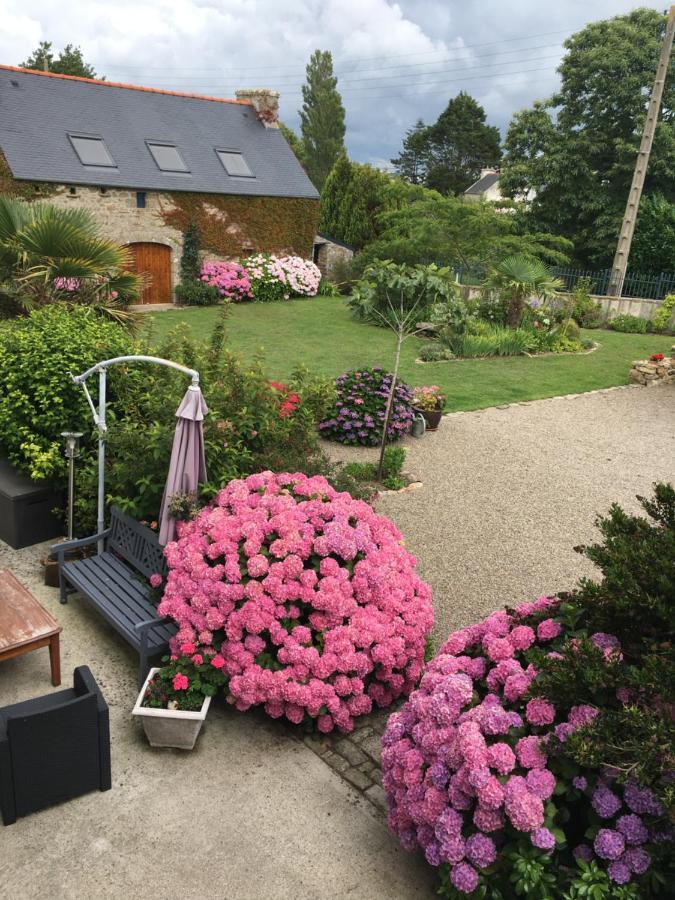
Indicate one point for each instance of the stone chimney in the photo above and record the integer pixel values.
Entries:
(265, 102)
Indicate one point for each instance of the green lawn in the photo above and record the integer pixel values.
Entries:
(321, 334)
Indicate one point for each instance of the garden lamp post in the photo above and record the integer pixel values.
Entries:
(72, 439)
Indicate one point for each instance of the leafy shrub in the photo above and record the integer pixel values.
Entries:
(38, 399)
(417, 289)
(184, 682)
(189, 260)
(433, 351)
(537, 752)
(630, 324)
(663, 315)
(278, 278)
(358, 414)
(252, 424)
(229, 278)
(47, 252)
(268, 279)
(197, 293)
(317, 612)
(635, 732)
(392, 463)
(586, 311)
(494, 341)
(328, 288)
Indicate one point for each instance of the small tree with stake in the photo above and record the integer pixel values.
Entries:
(398, 297)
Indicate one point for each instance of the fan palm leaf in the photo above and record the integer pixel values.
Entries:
(40, 243)
(519, 277)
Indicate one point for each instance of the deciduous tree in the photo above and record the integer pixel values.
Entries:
(68, 62)
(580, 161)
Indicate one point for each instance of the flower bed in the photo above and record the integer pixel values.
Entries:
(473, 774)
(359, 411)
(304, 597)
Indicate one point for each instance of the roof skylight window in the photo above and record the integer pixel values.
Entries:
(92, 151)
(234, 163)
(167, 157)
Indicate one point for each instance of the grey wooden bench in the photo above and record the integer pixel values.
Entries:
(115, 583)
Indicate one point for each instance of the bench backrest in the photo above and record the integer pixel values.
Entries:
(137, 544)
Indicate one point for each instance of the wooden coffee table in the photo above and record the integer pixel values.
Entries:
(26, 625)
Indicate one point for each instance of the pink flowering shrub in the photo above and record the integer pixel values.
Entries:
(303, 597)
(476, 776)
(230, 278)
(281, 277)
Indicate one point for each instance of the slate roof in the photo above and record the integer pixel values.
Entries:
(483, 184)
(39, 110)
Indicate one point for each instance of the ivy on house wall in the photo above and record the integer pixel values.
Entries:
(228, 225)
(234, 226)
(25, 190)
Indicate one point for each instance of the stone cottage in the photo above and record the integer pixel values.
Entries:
(147, 162)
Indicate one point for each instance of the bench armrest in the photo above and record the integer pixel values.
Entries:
(142, 627)
(60, 549)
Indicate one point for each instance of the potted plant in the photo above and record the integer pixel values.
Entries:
(175, 698)
(430, 402)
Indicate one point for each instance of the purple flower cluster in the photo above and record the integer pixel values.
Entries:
(619, 841)
(360, 407)
(466, 761)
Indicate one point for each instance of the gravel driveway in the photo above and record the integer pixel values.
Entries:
(508, 492)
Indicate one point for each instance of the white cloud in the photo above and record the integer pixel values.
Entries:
(396, 62)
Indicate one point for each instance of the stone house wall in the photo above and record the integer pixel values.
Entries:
(329, 256)
(115, 210)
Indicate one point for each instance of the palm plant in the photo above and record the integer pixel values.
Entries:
(516, 279)
(48, 254)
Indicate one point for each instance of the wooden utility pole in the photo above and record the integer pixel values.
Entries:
(632, 206)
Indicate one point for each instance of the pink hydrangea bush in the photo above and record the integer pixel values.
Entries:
(304, 597)
(473, 778)
(281, 277)
(230, 278)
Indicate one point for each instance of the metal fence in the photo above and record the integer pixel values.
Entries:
(650, 286)
(636, 284)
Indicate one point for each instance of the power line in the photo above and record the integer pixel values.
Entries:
(347, 85)
(297, 67)
(285, 81)
(393, 94)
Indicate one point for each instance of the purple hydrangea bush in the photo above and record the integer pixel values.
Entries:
(475, 774)
(360, 404)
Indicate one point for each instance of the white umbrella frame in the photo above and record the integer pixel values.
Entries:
(99, 414)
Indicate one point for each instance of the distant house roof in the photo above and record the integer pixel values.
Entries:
(483, 184)
(69, 130)
(331, 240)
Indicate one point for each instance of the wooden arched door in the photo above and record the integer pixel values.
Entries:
(153, 261)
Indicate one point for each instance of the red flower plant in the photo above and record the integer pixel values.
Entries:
(656, 357)
(289, 402)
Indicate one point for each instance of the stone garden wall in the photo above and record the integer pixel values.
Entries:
(651, 371)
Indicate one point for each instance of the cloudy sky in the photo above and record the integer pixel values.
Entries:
(396, 62)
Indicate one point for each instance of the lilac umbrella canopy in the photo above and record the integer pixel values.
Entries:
(188, 465)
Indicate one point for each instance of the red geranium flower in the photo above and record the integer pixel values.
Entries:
(657, 357)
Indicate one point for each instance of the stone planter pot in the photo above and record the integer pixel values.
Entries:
(432, 418)
(170, 727)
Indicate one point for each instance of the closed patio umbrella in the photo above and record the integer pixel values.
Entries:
(188, 465)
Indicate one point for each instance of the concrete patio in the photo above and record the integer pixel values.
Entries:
(253, 812)
(250, 813)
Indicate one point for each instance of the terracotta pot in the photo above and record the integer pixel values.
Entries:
(432, 418)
